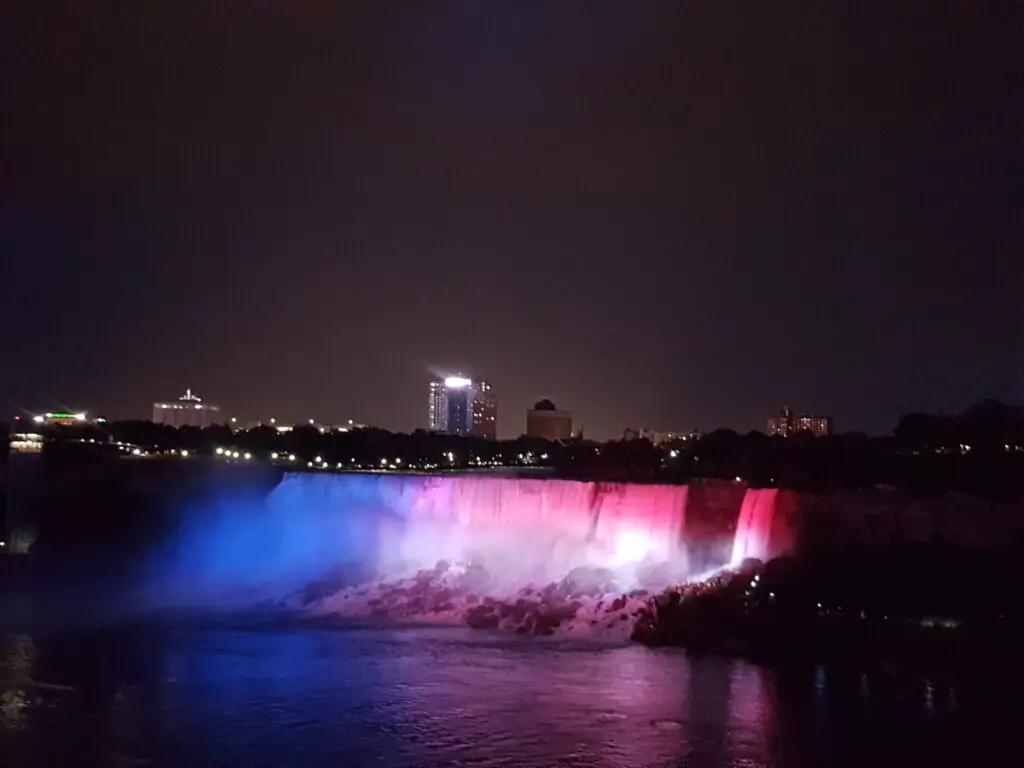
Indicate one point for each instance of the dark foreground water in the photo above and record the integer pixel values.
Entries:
(231, 694)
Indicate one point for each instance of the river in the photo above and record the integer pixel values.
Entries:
(255, 693)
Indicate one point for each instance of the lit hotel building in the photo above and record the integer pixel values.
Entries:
(485, 411)
(788, 423)
(189, 410)
(461, 406)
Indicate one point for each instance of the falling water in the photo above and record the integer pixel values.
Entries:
(754, 526)
(523, 530)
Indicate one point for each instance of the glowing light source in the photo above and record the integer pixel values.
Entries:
(59, 417)
(457, 382)
(220, 451)
(631, 547)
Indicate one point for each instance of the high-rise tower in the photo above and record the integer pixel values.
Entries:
(485, 410)
(461, 406)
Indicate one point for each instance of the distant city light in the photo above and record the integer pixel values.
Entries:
(457, 382)
(62, 416)
(273, 455)
(247, 456)
(219, 451)
(184, 454)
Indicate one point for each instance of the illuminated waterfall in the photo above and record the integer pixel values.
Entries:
(521, 530)
(754, 526)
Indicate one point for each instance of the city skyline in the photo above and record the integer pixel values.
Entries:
(645, 211)
(477, 415)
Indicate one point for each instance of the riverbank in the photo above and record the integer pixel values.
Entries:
(899, 616)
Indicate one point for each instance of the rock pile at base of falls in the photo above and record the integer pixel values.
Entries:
(587, 601)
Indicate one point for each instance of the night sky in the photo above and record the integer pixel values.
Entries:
(663, 215)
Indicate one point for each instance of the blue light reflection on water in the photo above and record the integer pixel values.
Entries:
(292, 695)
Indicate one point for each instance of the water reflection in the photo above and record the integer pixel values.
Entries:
(299, 696)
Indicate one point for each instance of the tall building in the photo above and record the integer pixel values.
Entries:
(485, 410)
(788, 423)
(189, 410)
(437, 420)
(461, 406)
(547, 422)
(459, 413)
